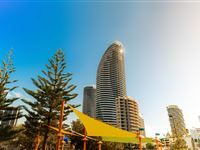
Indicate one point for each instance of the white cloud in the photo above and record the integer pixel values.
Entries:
(152, 130)
(15, 94)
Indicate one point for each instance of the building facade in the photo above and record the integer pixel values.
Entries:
(176, 120)
(89, 101)
(127, 114)
(195, 135)
(110, 83)
(12, 113)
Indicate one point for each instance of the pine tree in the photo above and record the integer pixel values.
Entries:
(6, 70)
(51, 89)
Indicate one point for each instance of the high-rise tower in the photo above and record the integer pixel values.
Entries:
(110, 83)
(177, 122)
(89, 101)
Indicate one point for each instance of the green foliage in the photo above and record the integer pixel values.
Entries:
(78, 141)
(112, 146)
(180, 144)
(75, 140)
(91, 144)
(6, 70)
(150, 146)
(16, 142)
(51, 89)
(8, 133)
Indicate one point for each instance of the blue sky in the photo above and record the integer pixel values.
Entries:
(161, 40)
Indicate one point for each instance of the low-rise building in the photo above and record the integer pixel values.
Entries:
(10, 116)
(195, 135)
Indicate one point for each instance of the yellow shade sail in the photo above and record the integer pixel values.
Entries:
(98, 128)
(127, 140)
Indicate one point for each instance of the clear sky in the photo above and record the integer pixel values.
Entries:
(161, 40)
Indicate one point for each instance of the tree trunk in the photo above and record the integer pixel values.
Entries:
(47, 131)
(45, 139)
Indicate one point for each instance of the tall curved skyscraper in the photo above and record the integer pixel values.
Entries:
(110, 83)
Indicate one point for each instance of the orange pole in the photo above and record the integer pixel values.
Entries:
(60, 126)
(99, 144)
(63, 142)
(160, 146)
(157, 144)
(140, 140)
(37, 142)
(84, 140)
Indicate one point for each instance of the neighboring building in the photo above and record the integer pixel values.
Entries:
(166, 141)
(188, 141)
(110, 83)
(127, 114)
(89, 101)
(177, 122)
(195, 135)
(11, 112)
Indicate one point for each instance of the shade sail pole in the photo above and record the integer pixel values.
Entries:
(84, 140)
(161, 146)
(37, 142)
(63, 143)
(139, 139)
(157, 143)
(99, 144)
